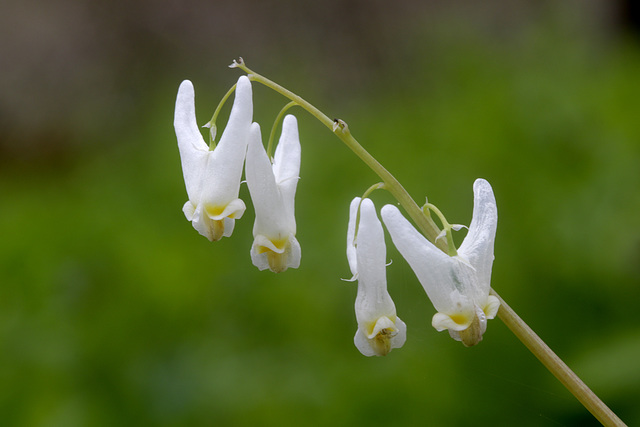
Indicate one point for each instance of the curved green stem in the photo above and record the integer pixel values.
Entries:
(339, 128)
(212, 123)
(447, 228)
(374, 187)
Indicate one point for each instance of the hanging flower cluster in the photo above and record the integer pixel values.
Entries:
(212, 176)
(456, 281)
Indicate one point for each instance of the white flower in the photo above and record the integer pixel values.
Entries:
(212, 177)
(458, 286)
(273, 190)
(379, 328)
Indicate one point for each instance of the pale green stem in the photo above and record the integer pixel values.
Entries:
(212, 123)
(339, 128)
(447, 229)
(556, 366)
(275, 126)
(521, 330)
(374, 187)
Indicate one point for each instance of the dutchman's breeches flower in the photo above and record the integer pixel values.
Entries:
(459, 285)
(379, 328)
(273, 190)
(212, 177)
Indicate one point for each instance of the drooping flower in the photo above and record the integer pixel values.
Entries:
(212, 177)
(273, 188)
(379, 328)
(459, 285)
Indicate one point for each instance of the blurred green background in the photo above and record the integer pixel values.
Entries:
(114, 311)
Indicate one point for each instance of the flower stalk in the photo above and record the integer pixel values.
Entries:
(211, 124)
(427, 226)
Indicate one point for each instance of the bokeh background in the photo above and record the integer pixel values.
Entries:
(114, 311)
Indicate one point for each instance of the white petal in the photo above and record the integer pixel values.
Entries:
(189, 210)
(286, 164)
(223, 172)
(271, 219)
(492, 306)
(455, 335)
(444, 278)
(351, 231)
(194, 152)
(371, 255)
(229, 224)
(477, 246)
(372, 300)
(295, 254)
(363, 345)
(401, 336)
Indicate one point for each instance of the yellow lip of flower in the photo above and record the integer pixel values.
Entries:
(454, 322)
(383, 326)
(214, 211)
(460, 319)
(277, 246)
(233, 210)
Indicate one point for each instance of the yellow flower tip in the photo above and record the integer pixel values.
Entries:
(277, 254)
(277, 262)
(381, 343)
(380, 334)
(216, 230)
(473, 334)
(215, 219)
(380, 337)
